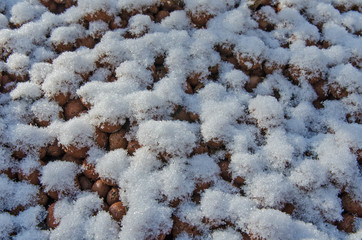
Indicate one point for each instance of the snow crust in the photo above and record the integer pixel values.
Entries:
(292, 139)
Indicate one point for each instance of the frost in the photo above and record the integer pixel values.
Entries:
(309, 174)
(60, 176)
(206, 144)
(23, 12)
(18, 63)
(26, 90)
(46, 110)
(113, 164)
(77, 131)
(267, 111)
(173, 137)
(65, 35)
(273, 224)
(269, 190)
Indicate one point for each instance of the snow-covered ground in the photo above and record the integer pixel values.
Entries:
(171, 119)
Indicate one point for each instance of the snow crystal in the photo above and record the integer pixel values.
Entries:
(173, 137)
(177, 20)
(113, 164)
(46, 110)
(27, 90)
(347, 77)
(16, 194)
(60, 176)
(18, 63)
(23, 12)
(77, 131)
(309, 174)
(229, 234)
(102, 227)
(140, 24)
(292, 140)
(6, 226)
(278, 150)
(269, 190)
(65, 35)
(273, 224)
(266, 110)
(210, 7)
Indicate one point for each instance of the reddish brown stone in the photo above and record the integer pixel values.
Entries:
(73, 108)
(89, 171)
(54, 150)
(101, 138)
(161, 15)
(101, 188)
(347, 224)
(181, 226)
(85, 183)
(132, 146)
(75, 151)
(32, 177)
(117, 211)
(113, 196)
(70, 158)
(117, 140)
(51, 221)
(109, 127)
(61, 98)
(351, 206)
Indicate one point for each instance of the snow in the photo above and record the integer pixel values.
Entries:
(60, 176)
(173, 137)
(236, 158)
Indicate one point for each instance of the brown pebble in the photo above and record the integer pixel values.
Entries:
(181, 114)
(9, 172)
(77, 152)
(101, 188)
(347, 224)
(288, 208)
(42, 152)
(42, 123)
(61, 98)
(85, 183)
(188, 89)
(73, 108)
(194, 79)
(161, 15)
(238, 181)
(87, 41)
(113, 196)
(101, 138)
(69, 158)
(180, 227)
(215, 143)
(117, 211)
(224, 171)
(132, 146)
(54, 150)
(118, 140)
(42, 198)
(200, 149)
(18, 154)
(99, 15)
(32, 177)
(351, 206)
(89, 171)
(109, 127)
(51, 221)
(200, 19)
(253, 83)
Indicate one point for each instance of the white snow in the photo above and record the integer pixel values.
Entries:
(294, 139)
